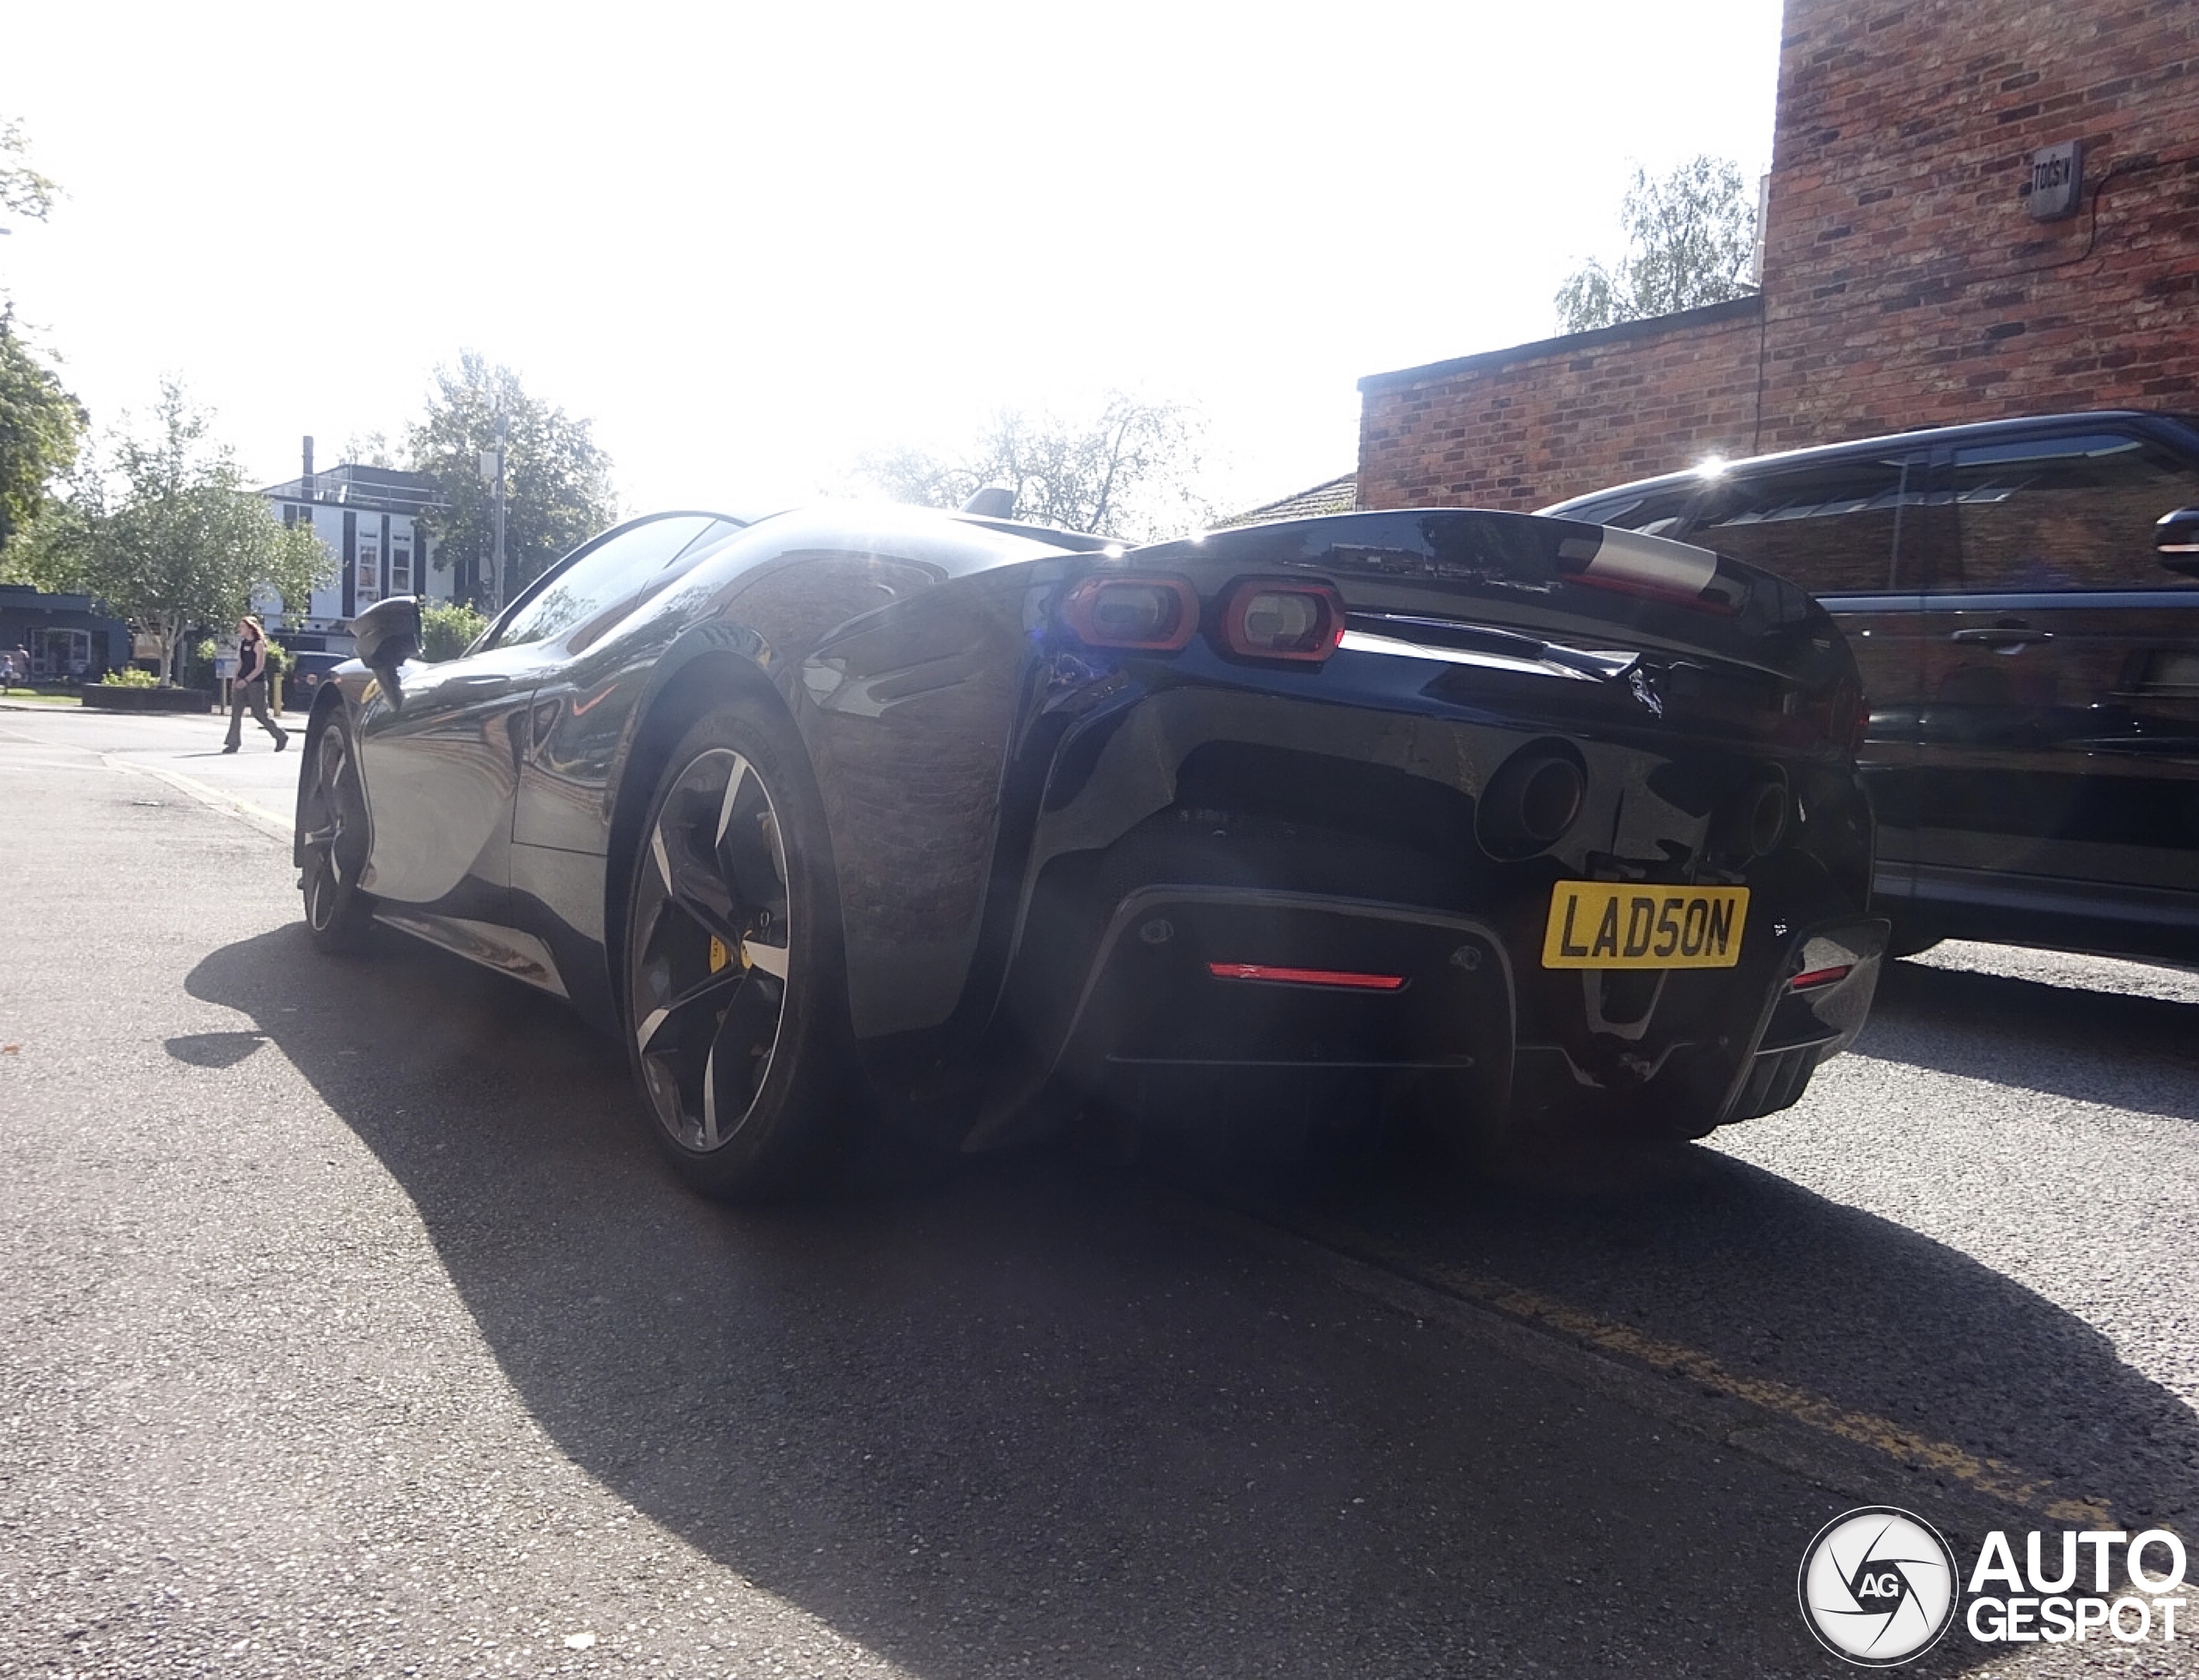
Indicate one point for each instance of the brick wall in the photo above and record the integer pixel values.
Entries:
(1905, 283)
(1522, 428)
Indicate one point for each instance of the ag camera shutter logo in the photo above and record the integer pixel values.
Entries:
(1878, 1586)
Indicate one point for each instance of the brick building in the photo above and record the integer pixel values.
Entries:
(1907, 280)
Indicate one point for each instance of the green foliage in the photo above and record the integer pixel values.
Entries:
(1128, 470)
(22, 189)
(181, 538)
(447, 629)
(41, 425)
(279, 658)
(1688, 239)
(558, 489)
(130, 676)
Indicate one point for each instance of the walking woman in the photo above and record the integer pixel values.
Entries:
(250, 686)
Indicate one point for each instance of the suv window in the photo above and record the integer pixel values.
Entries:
(1655, 512)
(1834, 527)
(603, 576)
(2072, 512)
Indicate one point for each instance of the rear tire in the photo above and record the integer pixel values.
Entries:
(333, 841)
(735, 989)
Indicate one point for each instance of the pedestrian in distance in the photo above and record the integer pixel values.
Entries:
(249, 686)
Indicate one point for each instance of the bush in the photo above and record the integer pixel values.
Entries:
(447, 629)
(130, 676)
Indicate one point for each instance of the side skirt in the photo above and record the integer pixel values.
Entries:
(522, 956)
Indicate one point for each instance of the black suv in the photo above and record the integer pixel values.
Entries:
(2023, 599)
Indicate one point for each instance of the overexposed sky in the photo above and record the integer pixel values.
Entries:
(751, 241)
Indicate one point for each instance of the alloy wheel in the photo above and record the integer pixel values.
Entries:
(711, 949)
(333, 834)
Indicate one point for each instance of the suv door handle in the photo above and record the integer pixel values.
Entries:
(2002, 636)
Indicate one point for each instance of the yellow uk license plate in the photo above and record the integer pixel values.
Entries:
(1617, 924)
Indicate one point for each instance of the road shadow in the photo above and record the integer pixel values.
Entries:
(1685, 1251)
(214, 1050)
(1023, 1420)
(2136, 1053)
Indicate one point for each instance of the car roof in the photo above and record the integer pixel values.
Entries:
(1906, 440)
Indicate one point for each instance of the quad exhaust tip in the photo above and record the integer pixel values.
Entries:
(1532, 801)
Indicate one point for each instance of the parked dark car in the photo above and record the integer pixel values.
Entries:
(970, 823)
(2023, 599)
(306, 673)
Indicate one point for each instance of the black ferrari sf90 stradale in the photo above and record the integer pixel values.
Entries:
(973, 824)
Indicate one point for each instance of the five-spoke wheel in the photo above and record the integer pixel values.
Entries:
(730, 981)
(332, 840)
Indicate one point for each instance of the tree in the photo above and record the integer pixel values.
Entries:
(1127, 471)
(173, 537)
(1689, 235)
(558, 489)
(447, 629)
(40, 422)
(40, 426)
(22, 189)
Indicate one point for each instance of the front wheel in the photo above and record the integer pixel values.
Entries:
(333, 841)
(736, 1007)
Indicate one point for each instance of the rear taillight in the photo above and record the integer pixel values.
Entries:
(1271, 619)
(1157, 614)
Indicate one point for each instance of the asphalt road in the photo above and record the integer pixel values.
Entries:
(349, 1328)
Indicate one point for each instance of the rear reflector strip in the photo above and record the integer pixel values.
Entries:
(1820, 977)
(1307, 977)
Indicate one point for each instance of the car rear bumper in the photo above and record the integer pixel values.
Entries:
(1190, 983)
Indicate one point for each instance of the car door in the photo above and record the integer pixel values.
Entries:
(1863, 532)
(2061, 736)
(440, 768)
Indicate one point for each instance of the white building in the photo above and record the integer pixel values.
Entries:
(368, 517)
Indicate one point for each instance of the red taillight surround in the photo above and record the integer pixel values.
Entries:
(1279, 619)
(1154, 614)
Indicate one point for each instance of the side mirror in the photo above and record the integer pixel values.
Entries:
(2175, 539)
(386, 635)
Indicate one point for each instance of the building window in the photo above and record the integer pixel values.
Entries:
(369, 568)
(400, 565)
(59, 655)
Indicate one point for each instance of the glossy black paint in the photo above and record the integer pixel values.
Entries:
(2033, 751)
(1014, 815)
